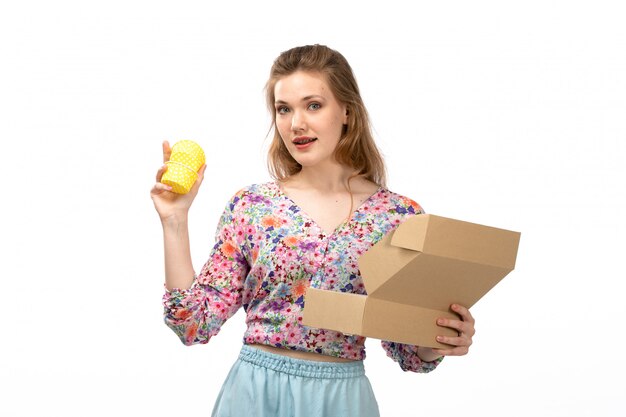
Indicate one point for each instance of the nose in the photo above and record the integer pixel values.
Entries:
(297, 121)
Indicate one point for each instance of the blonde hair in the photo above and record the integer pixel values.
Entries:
(356, 147)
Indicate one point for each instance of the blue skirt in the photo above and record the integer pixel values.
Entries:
(265, 384)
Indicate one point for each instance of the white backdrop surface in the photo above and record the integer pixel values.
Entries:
(509, 114)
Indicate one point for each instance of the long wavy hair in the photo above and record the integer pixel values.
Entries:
(356, 147)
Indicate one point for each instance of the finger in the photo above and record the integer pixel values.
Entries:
(457, 351)
(159, 188)
(455, 341)
(160, 173)
(198, 182)
(463, 312)
(167, 151)
(201, 172)
(457, 325)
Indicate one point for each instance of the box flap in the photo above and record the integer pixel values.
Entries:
(381, 262)
(333, 310)
(434, 282)
(457, 239)
(411, 234)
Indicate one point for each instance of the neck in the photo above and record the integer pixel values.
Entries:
(327, 179)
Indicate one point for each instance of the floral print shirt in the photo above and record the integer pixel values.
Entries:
(267, 253)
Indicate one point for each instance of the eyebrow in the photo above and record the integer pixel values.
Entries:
(303, 99)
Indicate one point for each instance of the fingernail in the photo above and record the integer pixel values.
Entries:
(439, 338)
(440, 321)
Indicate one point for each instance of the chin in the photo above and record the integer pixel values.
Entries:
(312, 160)
(306, 162)
(310, 164)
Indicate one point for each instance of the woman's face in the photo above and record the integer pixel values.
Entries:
(309, 118)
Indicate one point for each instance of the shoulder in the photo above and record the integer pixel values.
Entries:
(253, 195)
(394, 203)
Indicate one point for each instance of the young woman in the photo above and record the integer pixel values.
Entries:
(327, 206)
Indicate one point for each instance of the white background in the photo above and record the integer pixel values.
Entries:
(509, 114)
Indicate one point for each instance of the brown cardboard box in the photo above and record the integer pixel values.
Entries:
(412, 276)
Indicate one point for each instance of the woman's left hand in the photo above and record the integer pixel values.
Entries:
(465, 327)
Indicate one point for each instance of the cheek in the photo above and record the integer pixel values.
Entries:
(336, 127)
(282, 128)
(283, 123)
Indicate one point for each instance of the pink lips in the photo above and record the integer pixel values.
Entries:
(303, 142)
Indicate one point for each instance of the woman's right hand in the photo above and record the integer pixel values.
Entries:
(170, 205)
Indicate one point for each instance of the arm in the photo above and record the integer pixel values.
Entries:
(412, 358)
(173, 210)
(196, 313)
(179, 271)
(195, 307)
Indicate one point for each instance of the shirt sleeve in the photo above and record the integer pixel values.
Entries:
(196, 314)
(406, 356)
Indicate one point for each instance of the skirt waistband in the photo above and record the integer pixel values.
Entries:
(301, 367)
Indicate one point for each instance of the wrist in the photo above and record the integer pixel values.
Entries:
(175, 221)
(427, 354)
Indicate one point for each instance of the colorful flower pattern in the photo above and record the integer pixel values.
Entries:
(267, 253)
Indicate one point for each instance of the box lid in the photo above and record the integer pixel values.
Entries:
(432, 261)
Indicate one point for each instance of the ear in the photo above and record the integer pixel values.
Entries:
(345, 117)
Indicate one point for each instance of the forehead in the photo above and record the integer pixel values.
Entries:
(301, 84)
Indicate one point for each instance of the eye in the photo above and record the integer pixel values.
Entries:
(315, 106)
(281, 109)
